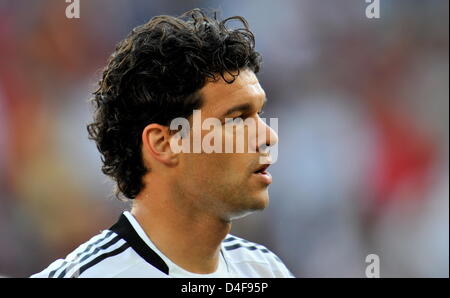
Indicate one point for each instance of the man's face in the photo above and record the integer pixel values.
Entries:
(228, 184)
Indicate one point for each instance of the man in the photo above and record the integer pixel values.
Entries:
(183, 202)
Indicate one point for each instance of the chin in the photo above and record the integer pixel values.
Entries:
(261, 200)
(251, 204)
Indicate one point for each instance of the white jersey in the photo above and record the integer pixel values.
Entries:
(125, 250)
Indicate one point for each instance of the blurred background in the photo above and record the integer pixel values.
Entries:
(363, 125)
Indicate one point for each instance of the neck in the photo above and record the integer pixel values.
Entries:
(189, 237)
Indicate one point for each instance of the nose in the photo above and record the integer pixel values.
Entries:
(267, 136)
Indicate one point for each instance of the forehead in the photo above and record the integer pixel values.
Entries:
(220, 95)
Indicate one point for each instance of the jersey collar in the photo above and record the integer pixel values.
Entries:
(126, 228)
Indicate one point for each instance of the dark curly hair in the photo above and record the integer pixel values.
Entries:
(154, 76)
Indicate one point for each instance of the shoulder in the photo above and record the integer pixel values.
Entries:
(116, 252)
(104, 255)
(254, 260)
(92, 251)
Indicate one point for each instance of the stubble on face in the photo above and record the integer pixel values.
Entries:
(224, 183)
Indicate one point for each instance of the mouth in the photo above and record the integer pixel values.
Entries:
(263, 174)
(262, 169)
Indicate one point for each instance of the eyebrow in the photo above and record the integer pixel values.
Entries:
(242, 108)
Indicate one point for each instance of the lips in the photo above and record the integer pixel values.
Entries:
(263, 175)
(262, 169)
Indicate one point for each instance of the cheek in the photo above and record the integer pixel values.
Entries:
(203, 169)
(242, 139)
(219, 166)
(216, 170)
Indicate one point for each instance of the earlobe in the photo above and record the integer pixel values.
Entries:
(156, 144)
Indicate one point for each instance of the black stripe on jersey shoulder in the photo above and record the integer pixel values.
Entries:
(88, 247)
(252, 247)
(242, 243)
(232, 238)
(97, 250)
(125, 230)
(100, 258)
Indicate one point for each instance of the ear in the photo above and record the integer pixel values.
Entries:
(156, 143)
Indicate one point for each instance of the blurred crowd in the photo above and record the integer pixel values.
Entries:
(363, 127)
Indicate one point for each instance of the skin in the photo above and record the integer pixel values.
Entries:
(190, 199)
